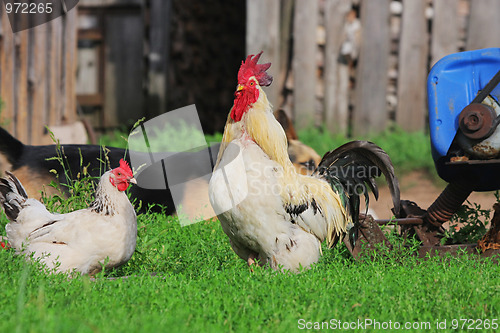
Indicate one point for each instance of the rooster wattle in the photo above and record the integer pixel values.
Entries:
(271, 213)
(83, 240)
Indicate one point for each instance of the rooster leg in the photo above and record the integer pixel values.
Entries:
(251, 259)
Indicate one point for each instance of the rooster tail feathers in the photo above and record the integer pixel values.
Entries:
(352, 168)
(12, 195)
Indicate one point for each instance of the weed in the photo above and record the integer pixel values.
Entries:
(80, 186)
(468, 225)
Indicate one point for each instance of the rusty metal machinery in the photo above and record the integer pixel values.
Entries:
(464, 114)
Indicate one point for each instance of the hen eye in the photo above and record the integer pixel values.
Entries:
(119, 173)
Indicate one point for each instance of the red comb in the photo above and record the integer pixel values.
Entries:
(250, 68)
(126, 168)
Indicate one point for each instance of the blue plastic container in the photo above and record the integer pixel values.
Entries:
(452, 84)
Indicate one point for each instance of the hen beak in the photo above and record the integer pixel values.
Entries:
(132, 180)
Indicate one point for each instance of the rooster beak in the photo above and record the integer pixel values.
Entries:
(133, 181)
(239, 88)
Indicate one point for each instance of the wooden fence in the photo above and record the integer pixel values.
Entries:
(324, 81)
(37, 77)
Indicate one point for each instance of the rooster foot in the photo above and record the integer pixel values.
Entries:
(251, 260)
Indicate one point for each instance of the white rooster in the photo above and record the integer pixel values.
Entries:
(271, 213)
(83, 240)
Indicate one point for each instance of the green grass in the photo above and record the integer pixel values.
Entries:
(202, 286)
(187, 279)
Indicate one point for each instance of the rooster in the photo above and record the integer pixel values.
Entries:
(271, 214)
(83, 240)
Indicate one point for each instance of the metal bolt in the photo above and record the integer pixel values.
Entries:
(476, 121)
(473, 121)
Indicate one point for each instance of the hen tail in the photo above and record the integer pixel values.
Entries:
(351, 169)
(12, 195)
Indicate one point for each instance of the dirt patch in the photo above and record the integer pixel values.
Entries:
(418, 187)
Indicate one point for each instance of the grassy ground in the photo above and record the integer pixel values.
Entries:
(200, 285)
(188, 279)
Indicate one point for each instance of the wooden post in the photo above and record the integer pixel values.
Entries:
(124, 69)
(2, 19)
(444, 29)
(69, 69)
(54, 72)
(484, 25)
(37, 82)
(7, 61)
(370, 114)
(336, 98)
(263, 34)
(412, 75)
(286, 26)
(160, 11)
(304, 62)
(21, 86)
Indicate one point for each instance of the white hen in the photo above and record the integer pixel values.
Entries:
(82, 240)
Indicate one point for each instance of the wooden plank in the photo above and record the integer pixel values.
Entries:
(88, 71)
(54, 72)
(263, 34)
(7, 64)
(412, 74)
(484, 24)
(445, 28)
(90, 99)
(21, 81)
(69, 66)
(286, 30)
(124, 98)
(37, 82)
(370, 113)
(304, 62)
(336, 98)
(2, 19)
(90, 34)
(160, 18)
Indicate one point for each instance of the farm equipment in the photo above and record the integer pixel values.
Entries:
(464, 114)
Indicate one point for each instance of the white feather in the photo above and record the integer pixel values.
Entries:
(81, 240)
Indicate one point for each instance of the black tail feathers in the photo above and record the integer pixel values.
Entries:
(12, 195)
(352, 168)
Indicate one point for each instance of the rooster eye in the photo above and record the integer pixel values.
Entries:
(119, 173)
(252, 83)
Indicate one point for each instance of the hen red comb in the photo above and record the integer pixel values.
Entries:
(126, 168)
(250, 68)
